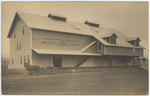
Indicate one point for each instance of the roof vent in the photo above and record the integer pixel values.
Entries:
(57, 17)
(91, 23)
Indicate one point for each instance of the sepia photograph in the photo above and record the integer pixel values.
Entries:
(74, 47)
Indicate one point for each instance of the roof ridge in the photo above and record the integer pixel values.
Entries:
(48, 17)
(30, 14)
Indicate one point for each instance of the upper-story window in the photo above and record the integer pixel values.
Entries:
(22, 30)
(113, 40)
(100, 46)
(20, 45)
(110, 38)
(134, 41)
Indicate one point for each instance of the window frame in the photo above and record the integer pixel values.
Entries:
(20, 45)
(23, 30)
(111, 39)
(99, 46)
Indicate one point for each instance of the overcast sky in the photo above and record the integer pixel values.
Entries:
(130, 18)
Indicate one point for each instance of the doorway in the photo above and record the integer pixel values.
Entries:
(57, 61)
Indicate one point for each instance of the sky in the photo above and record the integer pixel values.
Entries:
(129, 18)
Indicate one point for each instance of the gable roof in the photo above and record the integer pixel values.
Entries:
(109, 35)
(46, 23)
(12, 25)
(132, 39)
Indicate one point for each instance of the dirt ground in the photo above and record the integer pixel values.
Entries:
(103, 83)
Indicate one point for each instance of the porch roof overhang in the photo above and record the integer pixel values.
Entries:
(64, 52)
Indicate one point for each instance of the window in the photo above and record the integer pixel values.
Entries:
(28, 59)
(135, 42)
(14, 35)
(100, 46)
(24, 59)
(20, 59)
(131, 42)
(12, 61)
(22, 30)
(20, 45)
(17, 45)
(111, 40)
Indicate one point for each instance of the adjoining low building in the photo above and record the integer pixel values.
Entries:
(53, 40)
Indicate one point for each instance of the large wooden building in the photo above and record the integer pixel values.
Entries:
(53, 40)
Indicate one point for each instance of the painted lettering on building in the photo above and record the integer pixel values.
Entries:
(59, 39)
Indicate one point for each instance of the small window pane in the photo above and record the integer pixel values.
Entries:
(100, 46)
(114, 40)
(20, 45)
(22, 30)
(137, 43)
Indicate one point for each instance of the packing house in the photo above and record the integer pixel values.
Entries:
(53, 40)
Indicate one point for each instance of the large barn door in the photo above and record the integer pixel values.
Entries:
(57, 61)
